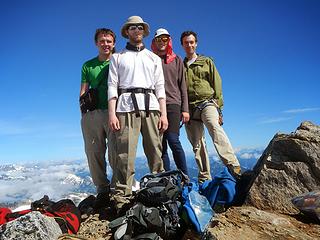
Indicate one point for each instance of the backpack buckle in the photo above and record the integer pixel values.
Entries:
(130, 213)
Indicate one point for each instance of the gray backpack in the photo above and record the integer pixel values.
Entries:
(156, 213)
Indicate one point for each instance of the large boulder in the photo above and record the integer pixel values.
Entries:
(32, 226)
(289, 166)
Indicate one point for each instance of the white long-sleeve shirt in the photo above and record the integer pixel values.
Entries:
(132, 69)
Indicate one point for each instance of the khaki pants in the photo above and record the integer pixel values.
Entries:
(96, 133)
(195, 131)
(126, 147)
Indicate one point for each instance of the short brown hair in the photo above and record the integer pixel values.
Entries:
(105, 31)
(188, 33)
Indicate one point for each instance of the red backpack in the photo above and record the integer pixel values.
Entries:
(3, 215)
(66, 214)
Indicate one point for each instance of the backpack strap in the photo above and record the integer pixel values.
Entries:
(147, 236)
(14, 215)
(4, 215)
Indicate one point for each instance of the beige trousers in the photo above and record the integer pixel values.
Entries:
(195, 131)
(96, 134)
(126, 147)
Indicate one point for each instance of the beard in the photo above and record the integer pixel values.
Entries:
(136, 39)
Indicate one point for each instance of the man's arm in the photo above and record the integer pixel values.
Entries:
(114, 123)
(217, 86)
(113, 81)
(185, 117)
(217, 83)
(83, 88)
(84, 83)
(163, 123)
(160, 94)
(84, 80)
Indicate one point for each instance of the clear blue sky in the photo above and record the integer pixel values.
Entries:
(267, 52)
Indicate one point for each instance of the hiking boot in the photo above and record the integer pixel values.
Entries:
(86, 205)
(235, 171)
(102, 200)
(124, 208)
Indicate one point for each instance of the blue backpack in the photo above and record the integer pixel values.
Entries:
(221, 190)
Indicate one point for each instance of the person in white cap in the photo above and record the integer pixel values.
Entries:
(205, 104)
(176, 98)
(137, 103)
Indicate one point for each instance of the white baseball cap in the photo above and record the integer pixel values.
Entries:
(161, 31)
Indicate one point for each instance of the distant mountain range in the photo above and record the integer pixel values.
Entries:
(22, 184)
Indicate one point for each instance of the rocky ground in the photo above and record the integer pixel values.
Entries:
(251, 223)
(237, 223)
(289, 166)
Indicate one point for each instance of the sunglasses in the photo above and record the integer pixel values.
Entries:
(162, 39)
(135, 27)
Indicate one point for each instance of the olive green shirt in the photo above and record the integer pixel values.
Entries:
(203, 81)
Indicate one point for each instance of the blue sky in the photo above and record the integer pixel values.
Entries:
(267, 52)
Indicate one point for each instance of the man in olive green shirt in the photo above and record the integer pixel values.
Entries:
(205, 104)
(94, 123)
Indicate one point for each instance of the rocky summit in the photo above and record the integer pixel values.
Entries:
(289, 166)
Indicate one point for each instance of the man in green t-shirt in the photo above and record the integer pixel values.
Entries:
(94, 123)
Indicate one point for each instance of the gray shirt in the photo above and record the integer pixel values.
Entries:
(175, 83)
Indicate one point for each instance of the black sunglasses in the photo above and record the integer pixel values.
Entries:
(135, 27)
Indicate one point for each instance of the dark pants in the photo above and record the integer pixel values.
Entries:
(171, 138)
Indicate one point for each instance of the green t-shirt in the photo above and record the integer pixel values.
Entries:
(93, 72)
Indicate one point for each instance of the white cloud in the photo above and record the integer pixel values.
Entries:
(302, 110)
(275, 120)
(250, 155)
(32, 182)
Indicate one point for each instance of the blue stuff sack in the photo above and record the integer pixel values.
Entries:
(221, 190)
(197, 207)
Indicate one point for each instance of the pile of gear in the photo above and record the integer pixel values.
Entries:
(168, 204)
(165, 207)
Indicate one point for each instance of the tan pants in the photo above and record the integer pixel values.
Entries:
(96, 134)
(126, 147)
(195, 131)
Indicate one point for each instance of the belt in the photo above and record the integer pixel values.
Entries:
(133, 92)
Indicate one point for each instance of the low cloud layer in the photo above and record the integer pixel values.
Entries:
(57, 180)
(20, 184)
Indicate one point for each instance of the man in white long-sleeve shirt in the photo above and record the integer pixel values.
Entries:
(137, 104)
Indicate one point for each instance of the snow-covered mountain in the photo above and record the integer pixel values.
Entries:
(30, 182)
(22, 184)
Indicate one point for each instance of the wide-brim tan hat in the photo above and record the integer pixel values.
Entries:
(132, 21)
